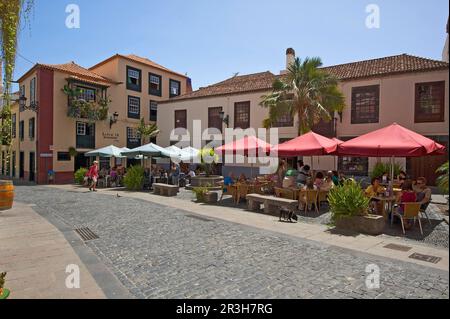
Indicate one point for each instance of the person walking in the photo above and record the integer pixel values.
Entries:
(93, 175)
(175, 174)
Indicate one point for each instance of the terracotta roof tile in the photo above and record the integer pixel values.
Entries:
(384, 66)
(75, 71)
(363, 69)
(237, 84)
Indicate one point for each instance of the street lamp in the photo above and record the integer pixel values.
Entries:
(23, 104)
(224, 118)
(113, 119)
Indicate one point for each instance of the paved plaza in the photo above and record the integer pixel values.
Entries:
(157, 251)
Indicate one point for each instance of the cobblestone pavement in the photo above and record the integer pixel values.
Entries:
(161, 252)
(435, 234)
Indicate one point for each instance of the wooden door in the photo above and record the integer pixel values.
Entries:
(426, 166)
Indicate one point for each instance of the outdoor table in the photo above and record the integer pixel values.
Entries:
(386, 201)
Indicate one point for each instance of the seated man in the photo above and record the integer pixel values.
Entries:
(423, 193)
(303, 175)
(229, 180)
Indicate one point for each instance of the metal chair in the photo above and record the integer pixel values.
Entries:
(423, 211)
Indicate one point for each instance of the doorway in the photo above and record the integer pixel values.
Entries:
(81, 161)
(32, 166)
(21, 165)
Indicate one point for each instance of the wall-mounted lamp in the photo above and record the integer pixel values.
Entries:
(23, 104)
(224, 118)
(113, 119)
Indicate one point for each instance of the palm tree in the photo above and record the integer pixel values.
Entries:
(147, 131)
(307, 92)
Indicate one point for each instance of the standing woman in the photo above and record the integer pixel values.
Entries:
(281, 172)
(93, 175)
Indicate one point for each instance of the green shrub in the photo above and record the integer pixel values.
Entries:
(79, 175)
(442, 180)
(380, 168)
(134, 178)
(200, 193)
(347, 200)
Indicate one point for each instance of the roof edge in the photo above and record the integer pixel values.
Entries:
(118, 55)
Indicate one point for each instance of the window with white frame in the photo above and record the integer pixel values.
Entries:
(175, 88)
(81, 128)
(153, 111)
(155, 84)
(86, 94)
(132, 133)
(133, 79)
(134, 107)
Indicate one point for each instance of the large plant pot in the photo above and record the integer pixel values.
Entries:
(211, 197)
(370, 224)
(6, 195)
(206, 181)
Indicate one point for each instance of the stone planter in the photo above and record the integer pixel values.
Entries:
(370, 224)
(206, 181)
(211, 197)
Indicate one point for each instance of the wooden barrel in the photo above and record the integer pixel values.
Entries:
(6, 195)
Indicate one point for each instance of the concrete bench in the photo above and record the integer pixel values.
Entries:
(271, 204)
(165, 189)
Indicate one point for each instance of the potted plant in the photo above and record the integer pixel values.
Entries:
(349, 210)
(4, 293)
(134, 178)
(72, 151)
(200, 193)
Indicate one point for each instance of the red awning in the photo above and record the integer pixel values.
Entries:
(309, 144)
(247, 145)
(393, 140)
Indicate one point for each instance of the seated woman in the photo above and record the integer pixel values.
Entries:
(372, 191)
(242, 178)
(385, 178)
(318, 181)
(407, 195)
(113, 175)
(328, 184)
(402, 176)
(309, 185)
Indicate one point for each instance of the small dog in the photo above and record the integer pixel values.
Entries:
(287, 215)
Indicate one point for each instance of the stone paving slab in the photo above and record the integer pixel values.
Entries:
(158, 250)
(35, 255)
(319, 233)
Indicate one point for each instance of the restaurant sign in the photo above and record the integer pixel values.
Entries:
(110, 136)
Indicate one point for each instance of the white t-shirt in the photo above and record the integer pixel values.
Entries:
(191, 173)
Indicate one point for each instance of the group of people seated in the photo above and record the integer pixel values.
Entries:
(302, 178)
(114, 174)
(410, 191)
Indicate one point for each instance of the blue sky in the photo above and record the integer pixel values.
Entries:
(210, 40)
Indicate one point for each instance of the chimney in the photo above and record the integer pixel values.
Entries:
(290, 57)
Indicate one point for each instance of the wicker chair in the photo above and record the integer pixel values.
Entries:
(307, 198)
(284, 193)
(228, 190)
(242, 191)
